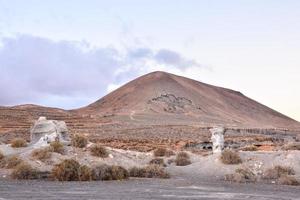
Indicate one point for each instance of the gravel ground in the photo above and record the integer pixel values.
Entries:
(143, 189)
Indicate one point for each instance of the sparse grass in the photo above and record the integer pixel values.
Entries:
(67, 170)
(57, 147)
(160, 152)
(79, 141)
(85, 173)
(10, 162)
(278, 171)
(157, 161)
(41, 154)
(18, 143)
(293, 146)
(182, 159)
(151, 171)
(288, 180)
(229, 157)
(106, 172)
(24, 171)
(250, 148)
(99, 151)
(241, 175)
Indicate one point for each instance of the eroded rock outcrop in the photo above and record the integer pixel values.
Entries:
(217, 138)
(45, 131)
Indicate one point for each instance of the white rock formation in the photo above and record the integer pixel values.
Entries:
(217, 138)
(45, 131)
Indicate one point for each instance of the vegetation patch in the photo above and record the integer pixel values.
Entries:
(182, 159)
(10, 162)
(157, 161)
(288, 180)
(293, 146)
(106, 173)
(1, 155)
(161, 152)
(250, 148)
(85, 173)
(278, 171)
(57, 147)
(241, 175)
(67, 170)
(18, 143)
(41, 154)
(79, 141)
(230, 157)
(151, 171)
(24, 171)
(99, 151)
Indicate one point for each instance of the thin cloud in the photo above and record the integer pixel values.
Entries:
(42, 71)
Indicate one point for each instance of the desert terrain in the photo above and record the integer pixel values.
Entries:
(158, 126)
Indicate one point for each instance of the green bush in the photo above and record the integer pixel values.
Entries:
(79, 141)
(229, 157)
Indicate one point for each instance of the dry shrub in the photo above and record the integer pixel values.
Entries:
(157, 161)
(278, 171)
(229, 157)
(106, 173)
(67, 170)
(241, 175)
(250, 148)
(41, 154)
(169, 153)
(85, 173)
(151, 171)
(99, 151)
(18, 142)
(182, 159)
(57, 147)
(288, 180)
(1, 155)
(24, 171)
(10, 162)
(79, 141)
(160, 152)
(294, 146)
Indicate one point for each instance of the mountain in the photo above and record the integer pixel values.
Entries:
(159, 107)
(178, 100)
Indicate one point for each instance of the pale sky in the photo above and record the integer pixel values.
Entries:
(69, 53)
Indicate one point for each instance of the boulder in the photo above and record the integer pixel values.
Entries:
(217, 138)
(45, 131)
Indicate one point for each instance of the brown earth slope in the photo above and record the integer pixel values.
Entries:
(158, 107)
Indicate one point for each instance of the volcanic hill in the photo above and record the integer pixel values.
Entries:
(159, 107)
